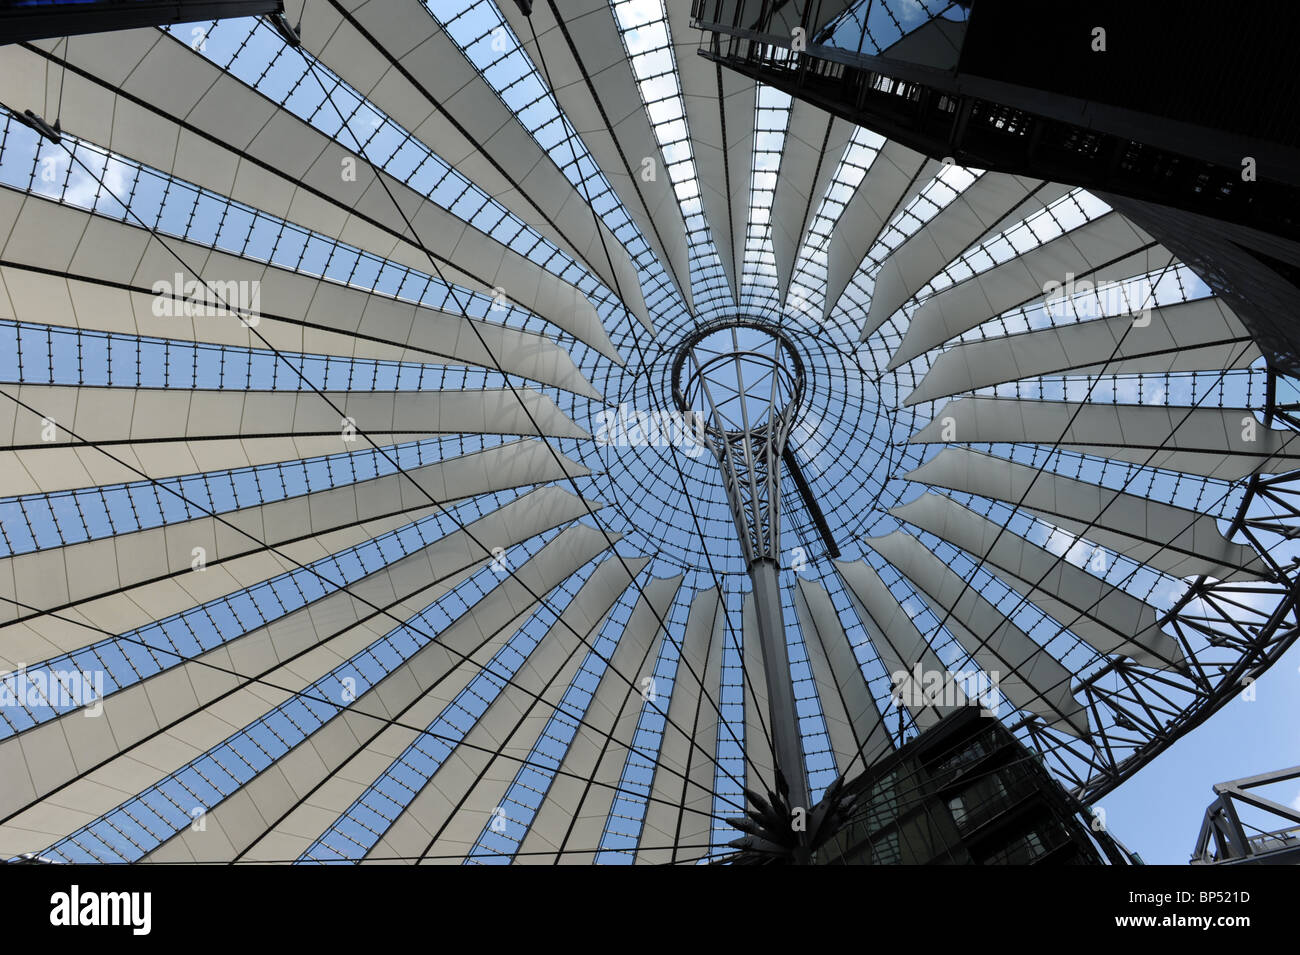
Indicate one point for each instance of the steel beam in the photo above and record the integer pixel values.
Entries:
(781, 706)
(43, 20)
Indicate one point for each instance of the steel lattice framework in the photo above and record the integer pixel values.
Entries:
(346, 479)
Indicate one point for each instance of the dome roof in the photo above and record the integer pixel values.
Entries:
(349, 513)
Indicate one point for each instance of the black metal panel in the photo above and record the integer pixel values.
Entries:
(42, 19)
(1201, 62)
(810, 502)
(1257, 275)
(980, 132)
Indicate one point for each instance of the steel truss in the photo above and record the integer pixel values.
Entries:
(749, 452)
(1232, 843)
(1229, 631)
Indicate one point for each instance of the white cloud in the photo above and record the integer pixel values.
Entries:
(632, 13)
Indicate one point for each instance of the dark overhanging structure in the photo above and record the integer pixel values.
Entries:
(1183, 117)
(1225, 840)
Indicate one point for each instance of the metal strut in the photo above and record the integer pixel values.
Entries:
(752, 398)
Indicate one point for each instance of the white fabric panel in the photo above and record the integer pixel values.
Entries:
(1223, 443)
(48, 579)
(681, 797)
(412, 70)
(614, 125)
(473, 774)
(1191, 336)
(935, 43)
(987, 206)
(237, 823)
(814, 144)
(719, 112)
(40, 470)
(46, 636)
(897, 641)
(853, 721)
(572, 817)
(895, 176)
(527, 515)
(306, 821)
(1107, 249)
(739, 103)
(116, 416)
(1108, 619)
(1026, 674)
(481, 264)
(68, 239)
(1173, 539)
(154, 727)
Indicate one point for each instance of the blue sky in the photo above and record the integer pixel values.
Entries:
(1158, 813)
